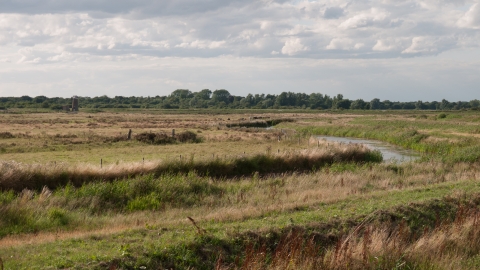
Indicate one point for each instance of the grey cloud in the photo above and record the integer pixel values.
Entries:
(333, 13)
(213, 28)
(137, 7)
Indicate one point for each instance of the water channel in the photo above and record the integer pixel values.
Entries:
(389, 152)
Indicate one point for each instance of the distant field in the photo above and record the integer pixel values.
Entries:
(228, 191)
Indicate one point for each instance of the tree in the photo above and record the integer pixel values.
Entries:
(182, 93)
(343, 104)
(474, 103)
(444, 105)
(358, 104)
(315, 100)
(221, 95)
(205, 94)
(375, 104)
(419, 105)
(40, 99)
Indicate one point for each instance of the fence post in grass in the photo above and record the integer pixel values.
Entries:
(129, 137)
(143, 160)
(101, 163)
(173, 133)
(318, 144)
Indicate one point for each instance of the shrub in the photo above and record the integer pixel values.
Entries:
(6, 135)
(154, 138)
(442, 115)
(162, 138)
(187, 136)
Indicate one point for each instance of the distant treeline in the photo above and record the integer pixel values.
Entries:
(185, 99)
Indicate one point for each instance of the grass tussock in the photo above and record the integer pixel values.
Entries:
(163, 138)
(450, 244)
(18, 176)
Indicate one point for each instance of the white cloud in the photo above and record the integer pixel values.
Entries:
(372, 17)
(384, 46)
(293, 46)
(471, 19)
(421, 45)
(52, 33)
(340, 44)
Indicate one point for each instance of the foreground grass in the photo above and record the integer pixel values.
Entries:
(168, 243)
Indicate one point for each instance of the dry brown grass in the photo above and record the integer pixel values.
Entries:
(450, 245)
(281, 193)
(18, 176)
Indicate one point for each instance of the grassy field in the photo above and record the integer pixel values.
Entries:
(77, 193)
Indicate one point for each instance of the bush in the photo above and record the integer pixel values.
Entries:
(442, 115)
(187, 136)
(162, 138)
(6, 135)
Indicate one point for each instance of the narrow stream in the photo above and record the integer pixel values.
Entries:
(390, 152)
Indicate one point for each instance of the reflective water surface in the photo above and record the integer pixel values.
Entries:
(390, 152)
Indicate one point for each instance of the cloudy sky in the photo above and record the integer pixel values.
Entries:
(389, 49)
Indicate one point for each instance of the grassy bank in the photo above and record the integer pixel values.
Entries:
(234, 243)
(17, 176)
(450, 140)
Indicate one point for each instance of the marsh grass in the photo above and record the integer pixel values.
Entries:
(220, 200)
(450, 244)
(18, 176)
(440, 141)
(260, 209)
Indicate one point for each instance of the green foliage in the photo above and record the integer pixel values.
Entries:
(221, 98)
(143, 193)
(464, 154)
(58, 216)
(7, 197)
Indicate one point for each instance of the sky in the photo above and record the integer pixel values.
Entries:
(398, 50)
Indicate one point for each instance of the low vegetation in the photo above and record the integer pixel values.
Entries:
(76, 193)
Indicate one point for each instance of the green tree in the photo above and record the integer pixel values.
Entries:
(204, 94)
(343, 104)
(358, 104)
(182, 93)
(444, 105)
(221, 95)
(474, 103)
(419, 105)
(375, 104)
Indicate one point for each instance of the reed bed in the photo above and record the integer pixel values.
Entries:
(18, 176)
(450, 244)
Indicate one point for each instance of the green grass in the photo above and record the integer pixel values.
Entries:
(161, 245)
(131, 218)
(415, 135)
(17, 176)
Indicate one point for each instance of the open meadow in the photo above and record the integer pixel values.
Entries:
(206, 189)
